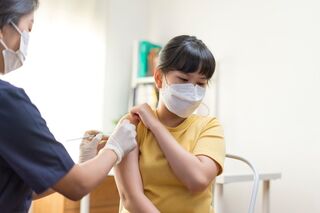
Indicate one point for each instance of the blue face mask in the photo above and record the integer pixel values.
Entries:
(15, 59)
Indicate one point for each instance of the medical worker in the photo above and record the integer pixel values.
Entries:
(31, 160)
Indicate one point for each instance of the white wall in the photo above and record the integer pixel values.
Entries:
(269, 83)
(126, 21)
(64, 71)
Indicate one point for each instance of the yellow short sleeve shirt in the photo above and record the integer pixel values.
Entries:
(198, 135)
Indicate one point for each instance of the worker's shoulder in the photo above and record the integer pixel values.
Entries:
(9, 90)
(6, 85)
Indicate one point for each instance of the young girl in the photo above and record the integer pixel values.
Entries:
(179, 154)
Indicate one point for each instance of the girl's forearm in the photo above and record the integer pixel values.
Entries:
(187, 167)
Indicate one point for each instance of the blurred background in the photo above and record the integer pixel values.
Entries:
(81, 72)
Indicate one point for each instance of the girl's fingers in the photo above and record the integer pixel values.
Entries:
(101, 145)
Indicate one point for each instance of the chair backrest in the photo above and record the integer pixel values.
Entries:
(255, 186)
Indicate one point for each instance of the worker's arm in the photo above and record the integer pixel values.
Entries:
(91, 140)
(90, 172)
(84, 177)
(36, 196)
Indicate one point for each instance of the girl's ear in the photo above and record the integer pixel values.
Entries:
(1, 38)
(158, 78)
(1, 35)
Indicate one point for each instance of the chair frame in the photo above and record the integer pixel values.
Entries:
(255, 187)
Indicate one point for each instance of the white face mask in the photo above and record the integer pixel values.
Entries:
(182, 99)
(13, 60)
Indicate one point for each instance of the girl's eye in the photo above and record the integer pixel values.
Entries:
(183, 79)
(202, 84)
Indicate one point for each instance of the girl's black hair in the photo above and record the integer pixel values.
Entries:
(187, 54)
(13, 10)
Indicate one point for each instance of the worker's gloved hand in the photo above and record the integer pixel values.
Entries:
(88, 146)
(123, 139)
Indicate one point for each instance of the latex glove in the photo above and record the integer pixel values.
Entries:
(123, 139)
(88, 146)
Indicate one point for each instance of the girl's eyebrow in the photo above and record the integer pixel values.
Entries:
(183, 74)
(203, 77)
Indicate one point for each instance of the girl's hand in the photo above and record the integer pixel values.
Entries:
(145, 114)
(133, 118)
(102, 143)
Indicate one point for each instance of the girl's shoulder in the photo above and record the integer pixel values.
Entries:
(205, 120)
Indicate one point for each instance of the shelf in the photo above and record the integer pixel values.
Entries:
(145, 80)
(142, 88)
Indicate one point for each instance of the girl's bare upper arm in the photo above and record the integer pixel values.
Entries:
(127, 175)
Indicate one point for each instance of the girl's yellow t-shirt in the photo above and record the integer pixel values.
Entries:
(200, 136)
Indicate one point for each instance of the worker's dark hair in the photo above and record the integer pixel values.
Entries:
(13, 10)
(187, 54)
